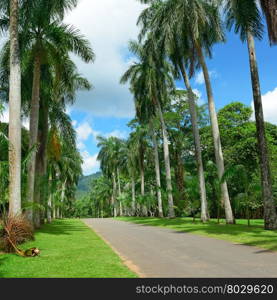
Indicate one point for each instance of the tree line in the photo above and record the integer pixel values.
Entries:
(39, 167)
(176, 38)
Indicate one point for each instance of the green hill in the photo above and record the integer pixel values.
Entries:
(84, 184)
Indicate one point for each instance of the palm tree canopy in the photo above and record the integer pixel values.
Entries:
(245, 17)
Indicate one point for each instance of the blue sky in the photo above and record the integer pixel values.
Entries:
(109, 25)
(108, 108)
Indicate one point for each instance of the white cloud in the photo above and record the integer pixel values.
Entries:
(269, 106)
(90, 163)
(111, 25)
(4, 117)
(84, 131)
(81, 146)
(117, 133)
(198, 93)
(200, 80)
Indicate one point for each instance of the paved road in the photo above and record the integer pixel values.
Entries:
(159, 252)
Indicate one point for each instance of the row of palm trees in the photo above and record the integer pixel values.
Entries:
(175, 39)
(40, 81)
(133, 182)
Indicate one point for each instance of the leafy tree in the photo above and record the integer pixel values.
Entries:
(249, 196)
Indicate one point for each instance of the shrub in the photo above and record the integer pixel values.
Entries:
(15, 230)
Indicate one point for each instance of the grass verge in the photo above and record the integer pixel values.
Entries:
(240, 233)
(69, 249)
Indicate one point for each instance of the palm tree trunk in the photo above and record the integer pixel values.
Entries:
(142, 186)
(34, 119)
(216, 138)
(54, 211)
(179, 172)
(58, 212)
(197, 144)
(133, 196)
(63, 197)
(41, 163)
(269, 205)
(114, 196)
(142, 179)
(158, 174)
(37, 191)
(49, 207)
(14, 115)
(171, 212)
(270, 10)
(119, 193)
(49, 202)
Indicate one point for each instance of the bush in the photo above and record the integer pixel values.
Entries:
(15, 230)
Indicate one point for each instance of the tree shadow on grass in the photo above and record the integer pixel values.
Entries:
(62, 227)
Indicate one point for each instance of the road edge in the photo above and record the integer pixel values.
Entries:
(127, 262)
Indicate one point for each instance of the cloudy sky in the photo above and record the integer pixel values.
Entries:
(109, 25)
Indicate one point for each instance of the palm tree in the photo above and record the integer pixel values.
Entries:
(200, 22)
(137, 142)
(181, 52)
(157, 170)
(151, 80)
(47, 41)
(100, 194)
(132, 166)
(63, 163)
(246, 18)
(57, 91)
(14, 114)
(109, 158)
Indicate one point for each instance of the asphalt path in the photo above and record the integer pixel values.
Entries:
(159, 252)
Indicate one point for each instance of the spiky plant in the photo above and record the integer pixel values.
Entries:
(15, 230)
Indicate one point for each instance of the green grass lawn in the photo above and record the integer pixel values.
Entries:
(69, 249)
(240, 233)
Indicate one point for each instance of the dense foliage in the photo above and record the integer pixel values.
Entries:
(242, 169)
(51, 162)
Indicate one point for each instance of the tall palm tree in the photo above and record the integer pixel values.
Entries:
(14, 114)
(132, 167)
(58, 89)
(157, 169)
(246, 18)
(137, 142)
(63, 163)
(181, 52)
(151, 81)
(47, 41)
(109, 156)
(200, 21)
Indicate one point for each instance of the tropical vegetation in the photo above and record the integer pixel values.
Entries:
(181, 159)
(184, 159)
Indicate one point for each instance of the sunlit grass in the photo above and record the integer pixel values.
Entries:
(69, 249)
(240, 233)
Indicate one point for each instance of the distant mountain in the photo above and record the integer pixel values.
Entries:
(84, 184)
